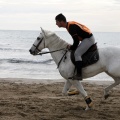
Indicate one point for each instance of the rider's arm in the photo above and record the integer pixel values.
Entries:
(75, 43)
(73, 33)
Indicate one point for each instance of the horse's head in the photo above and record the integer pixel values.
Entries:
(47, 39)
(39, 43)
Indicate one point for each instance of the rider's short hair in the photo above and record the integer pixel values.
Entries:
(60, 17)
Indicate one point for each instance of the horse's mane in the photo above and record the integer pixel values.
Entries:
(56, 41)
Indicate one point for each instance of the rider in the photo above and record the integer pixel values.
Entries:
(83, 39)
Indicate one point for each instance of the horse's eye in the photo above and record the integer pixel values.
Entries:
(38, 38)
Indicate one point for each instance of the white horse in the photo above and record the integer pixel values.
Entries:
(109, 61)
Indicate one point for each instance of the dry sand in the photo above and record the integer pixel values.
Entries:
(44, 101)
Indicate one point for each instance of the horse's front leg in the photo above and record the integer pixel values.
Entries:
(66, 87)
(80, 88)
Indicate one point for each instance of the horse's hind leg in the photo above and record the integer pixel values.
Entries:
(107, 89)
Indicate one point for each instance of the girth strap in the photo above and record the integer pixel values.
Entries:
(62, 58)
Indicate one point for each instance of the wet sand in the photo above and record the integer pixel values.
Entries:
(43, 101)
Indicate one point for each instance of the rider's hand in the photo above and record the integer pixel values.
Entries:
(68, 46)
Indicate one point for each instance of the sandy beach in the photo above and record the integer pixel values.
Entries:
(43, 101)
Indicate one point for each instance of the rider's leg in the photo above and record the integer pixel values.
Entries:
(78, 65)
(82, 48)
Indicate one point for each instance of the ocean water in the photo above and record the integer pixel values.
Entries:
(17, 62)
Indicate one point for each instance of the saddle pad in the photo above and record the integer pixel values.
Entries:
(88, 58)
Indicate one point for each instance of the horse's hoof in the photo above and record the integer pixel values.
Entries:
(88, 108)
(106, 96)
(73, 92)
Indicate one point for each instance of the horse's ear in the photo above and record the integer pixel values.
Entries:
(42, 30)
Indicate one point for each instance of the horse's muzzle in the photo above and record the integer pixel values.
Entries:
(31, 52)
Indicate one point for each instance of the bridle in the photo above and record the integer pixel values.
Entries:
(36, 46)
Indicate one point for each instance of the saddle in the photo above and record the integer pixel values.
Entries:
(90, 57)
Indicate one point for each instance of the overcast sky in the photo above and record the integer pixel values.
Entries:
(98, 15)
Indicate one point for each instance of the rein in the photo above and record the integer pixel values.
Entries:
(62, 58)
(41, 53)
